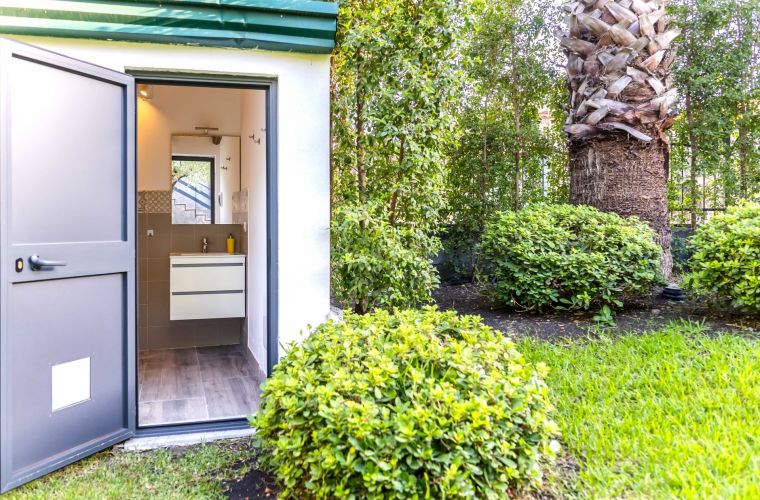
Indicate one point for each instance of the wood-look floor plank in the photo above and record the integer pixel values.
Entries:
(184, 357)
(229, 366)
(173, 411)
(231, 397)
(180, 382)
(196, 384)
(150, 383)
(219, 350)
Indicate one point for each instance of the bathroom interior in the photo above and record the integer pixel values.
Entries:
(201, 227)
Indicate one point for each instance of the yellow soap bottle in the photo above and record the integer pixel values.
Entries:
(230, 244)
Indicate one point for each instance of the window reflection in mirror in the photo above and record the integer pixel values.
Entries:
(192, 190)
(205, 173)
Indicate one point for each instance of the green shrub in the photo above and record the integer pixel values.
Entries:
(726, 260)
(378, 265)
(411, 404)
(566, 256)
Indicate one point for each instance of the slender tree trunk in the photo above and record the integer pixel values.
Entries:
(361, 174)
(747, 29)
(743, 191)
(516, 114)
(518, 175)
(394, 199)
(484, 172)
(693, 159)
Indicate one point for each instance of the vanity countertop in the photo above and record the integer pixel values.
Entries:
(216, 255)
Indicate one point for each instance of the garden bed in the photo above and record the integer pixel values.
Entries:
(253, 485)
(652, 313)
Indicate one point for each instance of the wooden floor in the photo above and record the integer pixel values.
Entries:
(196, 384)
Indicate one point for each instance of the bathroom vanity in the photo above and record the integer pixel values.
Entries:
(206, 285)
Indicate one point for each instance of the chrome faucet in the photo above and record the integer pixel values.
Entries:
(204, 245)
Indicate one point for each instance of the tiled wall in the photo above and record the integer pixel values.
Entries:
(156, 331)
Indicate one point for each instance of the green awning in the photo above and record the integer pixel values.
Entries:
(291, 25)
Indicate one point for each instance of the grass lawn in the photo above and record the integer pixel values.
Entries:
(671, 413)
(193, 472)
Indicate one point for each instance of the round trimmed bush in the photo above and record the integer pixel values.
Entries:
(567, 256)
(726, 258)
(402, 405)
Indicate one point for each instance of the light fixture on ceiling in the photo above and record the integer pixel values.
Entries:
(206, 130)
(145, 91)
(215, 139)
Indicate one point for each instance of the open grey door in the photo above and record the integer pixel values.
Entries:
(67, 254)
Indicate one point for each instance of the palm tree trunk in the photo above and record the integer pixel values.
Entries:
(628, 177)
(618, 70)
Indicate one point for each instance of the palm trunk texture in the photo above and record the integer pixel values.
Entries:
(618, 72)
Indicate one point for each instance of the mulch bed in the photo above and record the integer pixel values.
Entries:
(648, 314)
(253, 485)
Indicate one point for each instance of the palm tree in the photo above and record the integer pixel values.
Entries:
(618, 73)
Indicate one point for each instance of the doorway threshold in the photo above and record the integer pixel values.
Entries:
(191, 436)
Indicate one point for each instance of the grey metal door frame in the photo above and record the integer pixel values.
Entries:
(238, 81)
(101, 264)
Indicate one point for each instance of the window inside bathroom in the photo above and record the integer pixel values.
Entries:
(193, 200)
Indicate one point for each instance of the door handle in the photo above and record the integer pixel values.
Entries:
(37, 263)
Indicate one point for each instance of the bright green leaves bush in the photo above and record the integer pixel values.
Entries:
(414, 404)
(726, 258)
(566, 256)
(376, 264)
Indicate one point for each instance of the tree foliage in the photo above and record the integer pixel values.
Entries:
(445, 113)
(715, 159)
(395, 72)
(509, 115)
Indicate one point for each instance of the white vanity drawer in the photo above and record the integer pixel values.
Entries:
(207, 286)
(189, 305)
(207, 277)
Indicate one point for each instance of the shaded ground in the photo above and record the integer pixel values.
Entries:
(254, 485)
(647, 315)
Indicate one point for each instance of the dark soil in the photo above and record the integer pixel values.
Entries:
(253, 485)
(648, 314)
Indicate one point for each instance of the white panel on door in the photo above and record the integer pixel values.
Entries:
(70, 383)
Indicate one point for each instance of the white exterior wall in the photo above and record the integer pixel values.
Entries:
(303, 157)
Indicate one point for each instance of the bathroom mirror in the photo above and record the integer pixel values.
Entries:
(205, 174)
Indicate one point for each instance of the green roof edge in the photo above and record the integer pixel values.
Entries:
(264, 24)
